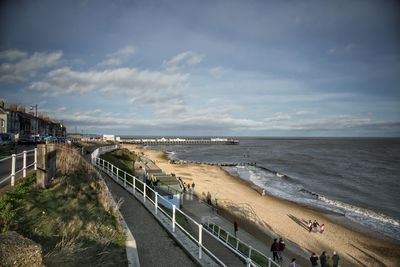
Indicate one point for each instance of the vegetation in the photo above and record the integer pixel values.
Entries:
(122, 159)
(72, 220)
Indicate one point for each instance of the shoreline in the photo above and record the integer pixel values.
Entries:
(354, 246)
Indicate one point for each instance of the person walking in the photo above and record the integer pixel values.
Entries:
(193, 185)
(309, 226)
(322, 259)
(314, 259)
(293, 263)
(335, 259)
(281, 249)
(235, 227)
(209, 198)
(274, 250)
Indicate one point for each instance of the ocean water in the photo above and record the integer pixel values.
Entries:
(358, 178)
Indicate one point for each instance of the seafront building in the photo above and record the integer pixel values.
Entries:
(17, 122)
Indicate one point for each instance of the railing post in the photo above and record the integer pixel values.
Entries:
(35, 165)
(173, 218)
(200, 239)
(124, 179)
(144, 192)
(103, 164)
(227, 238)
(249, 252)
(117, 173)
(269, 262)
(13, 169)
(237, 244)
(219, 231)
(24, 165)
(248, 262)
(156, 202)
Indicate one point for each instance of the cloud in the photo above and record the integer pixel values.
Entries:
(26, 67)
(12, 54)
(138, 85)
(118, 57)
(184, 59)
(216, 72)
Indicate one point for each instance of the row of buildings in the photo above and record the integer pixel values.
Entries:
(16, 121)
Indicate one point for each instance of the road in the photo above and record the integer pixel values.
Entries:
(5, 166)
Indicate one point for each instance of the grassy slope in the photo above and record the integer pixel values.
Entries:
(67, 219)
(121, 158)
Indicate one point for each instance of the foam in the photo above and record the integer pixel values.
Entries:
(290, 190)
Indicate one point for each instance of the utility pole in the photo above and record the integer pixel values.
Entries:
(36, 120)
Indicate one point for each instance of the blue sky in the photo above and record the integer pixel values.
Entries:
(259, 68)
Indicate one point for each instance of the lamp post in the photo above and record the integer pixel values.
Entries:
(36, 126)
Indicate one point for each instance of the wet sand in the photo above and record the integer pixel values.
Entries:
(274, 216)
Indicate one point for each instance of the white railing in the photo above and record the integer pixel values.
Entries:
(24, 168)
(238, 244)
(146, 194)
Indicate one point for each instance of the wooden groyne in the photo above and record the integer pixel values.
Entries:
(213, 163)
(163, 141)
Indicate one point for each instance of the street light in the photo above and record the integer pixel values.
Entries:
(36, 126)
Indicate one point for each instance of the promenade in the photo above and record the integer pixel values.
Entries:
(155, 246)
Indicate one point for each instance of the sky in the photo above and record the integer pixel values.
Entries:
(214, 68)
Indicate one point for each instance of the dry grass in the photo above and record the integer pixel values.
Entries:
(73, 220)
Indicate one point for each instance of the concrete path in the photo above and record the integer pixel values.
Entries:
(204, 213)
(155, 246)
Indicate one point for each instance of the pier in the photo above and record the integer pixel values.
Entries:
(180, 141)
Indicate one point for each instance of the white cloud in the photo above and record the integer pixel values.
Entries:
(119, 57)
(183, 59)
(138, 85)
(216, 72)
(12, 54)
(26, 67)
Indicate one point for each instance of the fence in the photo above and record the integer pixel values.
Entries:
(178, 220)
(25, 166)
(242, 247)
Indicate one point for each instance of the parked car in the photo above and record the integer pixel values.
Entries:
(5, 139)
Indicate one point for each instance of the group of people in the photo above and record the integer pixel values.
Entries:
(277, 249)
(325, 260)
(315, 226)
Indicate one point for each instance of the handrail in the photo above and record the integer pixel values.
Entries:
(109, 169)
(238, 241)
(24, 168)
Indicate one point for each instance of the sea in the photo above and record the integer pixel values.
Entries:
(356, 179)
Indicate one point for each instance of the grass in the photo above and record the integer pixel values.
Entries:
(72, 220)
(121, 158)
(242, 248)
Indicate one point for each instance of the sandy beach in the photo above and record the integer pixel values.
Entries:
(283, 218)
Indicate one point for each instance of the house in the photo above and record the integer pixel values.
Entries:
(24, 125)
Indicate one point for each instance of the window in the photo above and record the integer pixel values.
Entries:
(2, 124)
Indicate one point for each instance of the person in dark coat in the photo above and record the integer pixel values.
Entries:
(235, 227)
(335, 259)
(274, 250)
(322, 259)
(314, 259)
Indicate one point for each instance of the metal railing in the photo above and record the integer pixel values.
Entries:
(177, 218)
(241, 246)
(24, 168)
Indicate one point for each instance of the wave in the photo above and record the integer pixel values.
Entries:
(290, 190)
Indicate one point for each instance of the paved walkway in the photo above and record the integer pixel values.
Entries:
(201, 211)
(155, 246)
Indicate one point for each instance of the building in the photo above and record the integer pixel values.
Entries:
(23, 125)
